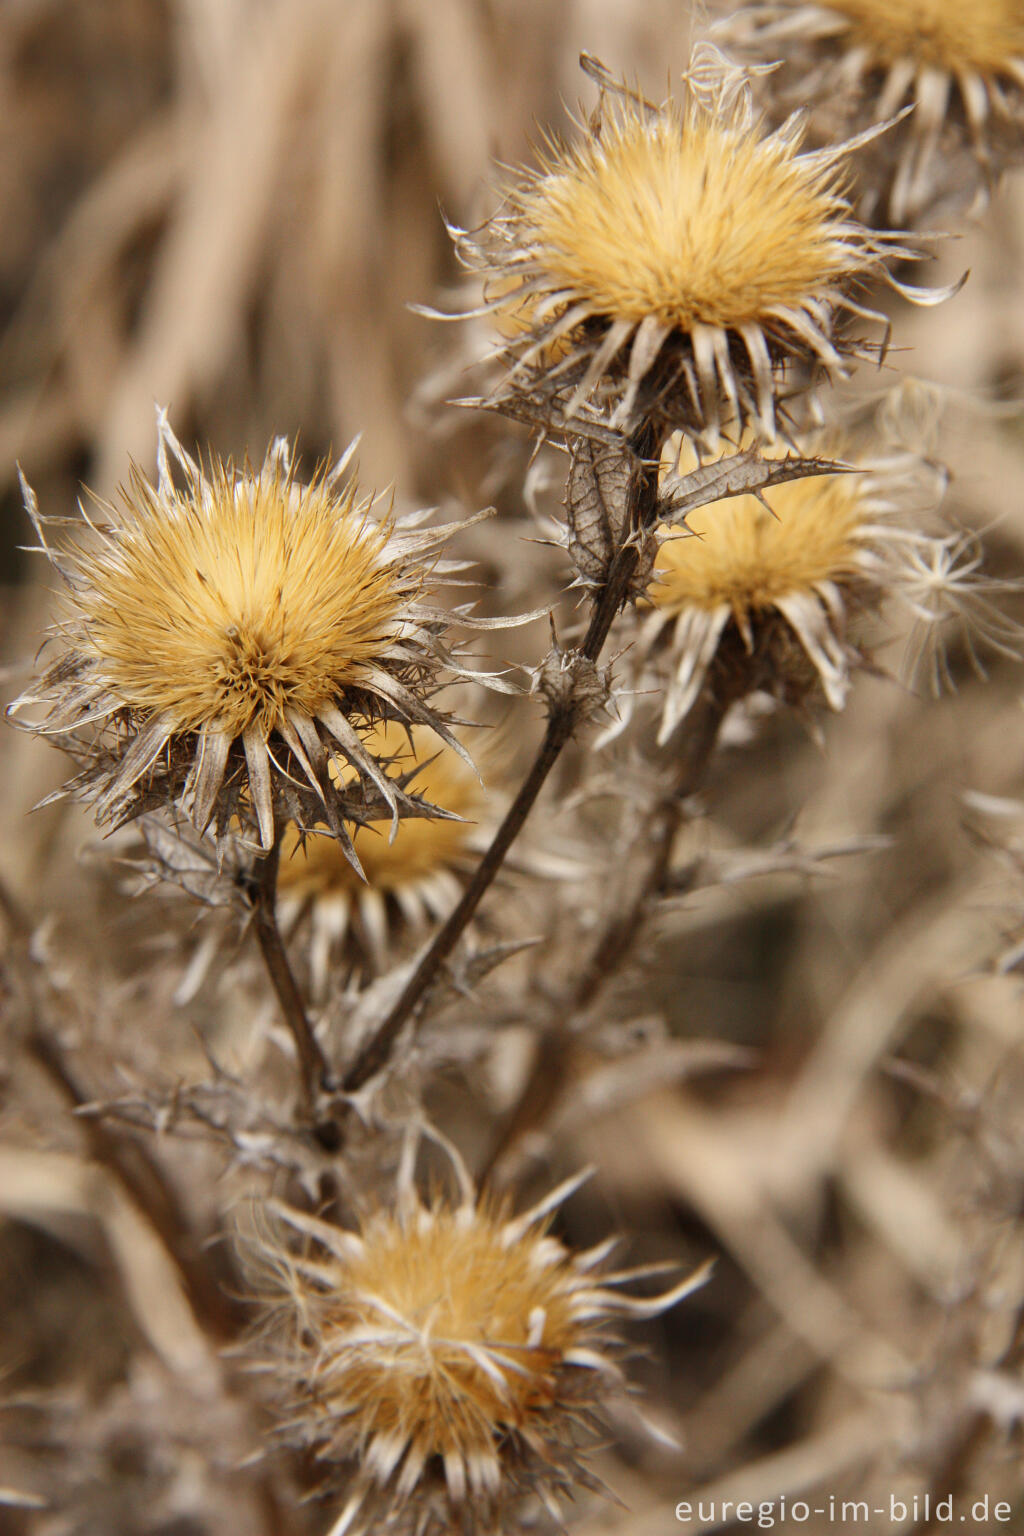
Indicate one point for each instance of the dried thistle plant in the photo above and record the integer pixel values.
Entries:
(224, 637)
(449, 1361)
(262, 656)
(627, 209)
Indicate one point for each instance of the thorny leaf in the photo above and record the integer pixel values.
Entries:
(598, 496)
(178, 855)
(747, 473)
(467, 970)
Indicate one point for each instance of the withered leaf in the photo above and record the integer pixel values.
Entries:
(597, 501)
(747, 473)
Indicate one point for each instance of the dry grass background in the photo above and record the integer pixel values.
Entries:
(227, 206)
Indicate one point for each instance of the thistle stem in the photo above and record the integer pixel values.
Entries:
(692, 749)
(562, 722)
(314, 1071)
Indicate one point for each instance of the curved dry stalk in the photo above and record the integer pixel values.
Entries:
(124, 1157)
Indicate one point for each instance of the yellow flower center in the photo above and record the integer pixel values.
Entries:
(748, 559)
(230, 609)
(685, 219)
(432, 1287)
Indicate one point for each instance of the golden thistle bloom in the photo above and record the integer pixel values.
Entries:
(224, 640)
(984, 37)
(960, 65)
(757, 599)
(409, 878)
(747, 567)
(446, 1361)
(672, 261)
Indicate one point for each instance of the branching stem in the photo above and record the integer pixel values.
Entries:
(562, 722)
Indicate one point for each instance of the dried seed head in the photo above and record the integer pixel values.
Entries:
(446, 1361)
(409, 878)
(756, 598)
(961, 66)
(227, 637)
(673, 260)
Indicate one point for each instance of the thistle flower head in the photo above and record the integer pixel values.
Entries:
(777, 576)
(752, 597)
(748, 556)
(960, 66)
(226, 637)
(408, 878)
(677, 257)
(445, 1361)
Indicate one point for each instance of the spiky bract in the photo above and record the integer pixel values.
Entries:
(227, 636)
(679, 256)
(961, 67)
(409, 878)
(446, 1361)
